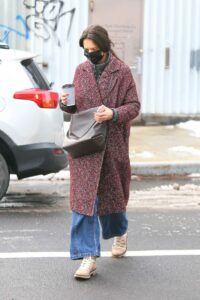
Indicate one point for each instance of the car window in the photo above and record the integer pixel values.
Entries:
(35, 74)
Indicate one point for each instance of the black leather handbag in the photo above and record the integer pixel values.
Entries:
(85, 136)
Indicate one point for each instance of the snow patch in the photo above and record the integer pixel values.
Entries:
(169, 127)
(61, 175)
(145, 154)
(194, 175)
(185, 149)
(191, 125)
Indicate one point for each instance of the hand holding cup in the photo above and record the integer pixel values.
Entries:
(68, 96)
(63, 98)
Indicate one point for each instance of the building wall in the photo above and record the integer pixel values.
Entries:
(49, 28)
(168, 82)
(171, 57)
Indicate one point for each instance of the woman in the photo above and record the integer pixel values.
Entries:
(99, 183)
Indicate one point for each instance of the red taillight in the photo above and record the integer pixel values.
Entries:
(58, 151)
(43, 98)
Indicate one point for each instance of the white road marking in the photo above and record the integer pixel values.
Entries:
(145, 253)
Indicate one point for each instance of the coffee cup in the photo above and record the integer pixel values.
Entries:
(69, 89)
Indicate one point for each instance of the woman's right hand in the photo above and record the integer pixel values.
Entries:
(63, 98)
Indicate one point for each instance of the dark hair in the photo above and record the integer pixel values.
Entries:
(100, 36)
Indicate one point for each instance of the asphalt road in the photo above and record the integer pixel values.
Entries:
(34, 262)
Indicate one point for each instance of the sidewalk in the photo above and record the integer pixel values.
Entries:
(157, 151)
(165, 150)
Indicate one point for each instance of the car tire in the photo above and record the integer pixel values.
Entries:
(4, 177)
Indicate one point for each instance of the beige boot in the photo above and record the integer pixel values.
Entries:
(87, 268)
(119, 246)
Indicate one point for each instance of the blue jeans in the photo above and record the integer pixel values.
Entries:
(85, 232)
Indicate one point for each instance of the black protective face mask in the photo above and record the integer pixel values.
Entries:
(94, 56)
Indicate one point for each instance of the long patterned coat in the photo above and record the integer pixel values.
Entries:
(105, 174)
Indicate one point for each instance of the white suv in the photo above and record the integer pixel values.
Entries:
(31, 122)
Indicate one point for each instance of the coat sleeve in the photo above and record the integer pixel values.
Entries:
(67, 109)
(131, 105)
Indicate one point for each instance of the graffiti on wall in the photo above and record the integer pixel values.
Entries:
(43, 19)
(5, 30)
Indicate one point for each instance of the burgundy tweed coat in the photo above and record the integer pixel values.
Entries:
(104, 174)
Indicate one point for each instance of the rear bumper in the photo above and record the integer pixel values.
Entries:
(36, 159)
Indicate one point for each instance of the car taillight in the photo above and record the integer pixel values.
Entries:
(58, 151)
(43, 98)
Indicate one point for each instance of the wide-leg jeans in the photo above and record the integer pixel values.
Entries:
(85, 231)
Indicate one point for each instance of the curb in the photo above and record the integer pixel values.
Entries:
(165, 168)
(137, 168)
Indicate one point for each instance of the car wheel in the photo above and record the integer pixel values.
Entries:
(4, 176)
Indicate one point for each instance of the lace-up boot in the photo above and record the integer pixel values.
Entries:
(119, 246)
(87, 268)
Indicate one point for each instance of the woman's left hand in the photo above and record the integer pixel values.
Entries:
(103, 114)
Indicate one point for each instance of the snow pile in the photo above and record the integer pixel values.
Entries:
(163, 188)
(176, 186)
(191, 125)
